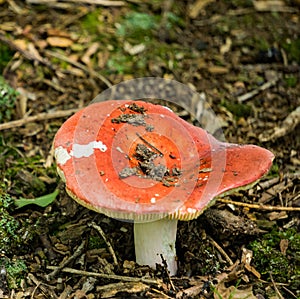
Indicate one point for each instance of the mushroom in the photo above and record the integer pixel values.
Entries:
(134, 160)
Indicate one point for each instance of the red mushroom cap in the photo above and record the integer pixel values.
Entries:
(140, 161)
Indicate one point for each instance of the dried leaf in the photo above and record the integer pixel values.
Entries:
(284, 244)
(134, 50)
(57, 32)
(60, 42)
(92, 49)
(269, 5)
(196, 7)
(21, 43)
(226, 47)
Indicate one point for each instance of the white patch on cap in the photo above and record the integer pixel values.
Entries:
(61, 155)
(86, 150)
(78, 151)
(153, 200)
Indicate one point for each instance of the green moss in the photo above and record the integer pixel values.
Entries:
(16, 234)
(91, 23)
(291, 81)
(268, 258)
(274, 171)
(237, 109)
(137, 26)
(8, 98)
(23, 174)
(9, 226)
(6, 55)
(96, 242)
(292, 49)
(15, 271)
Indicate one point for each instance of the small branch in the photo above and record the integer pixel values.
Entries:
(259, 207)
(275, 287)
(76, 254)
(44, 288)
(80, 66)
(221, 250)
(107, 276)
(256, 91)
(95, 2)
(38, 117)
(149, 144)
(271, 182)
(287, 126)
(108, 244)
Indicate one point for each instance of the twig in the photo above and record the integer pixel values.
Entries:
(275, 287)
(79, 65)
(256, 91)
(108, 244)
(290, 292)
(38, 117)
(259, 207)
(149, 144)
(161, 293)
(95, 2)
(98, 2)
(271, 182)
(190, 292)
(76, 254)
(107, 276)
(44, 288)
(165, 265)
(287, 126)
(221, 250)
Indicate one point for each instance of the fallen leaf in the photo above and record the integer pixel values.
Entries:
(196, 7)
(225, 48)
(41, 201)
(284, 244)
(134, 50)
(102, 58)
(60, 42)
(57, 32)
(21, 43)
(269, 5)
(92, 49)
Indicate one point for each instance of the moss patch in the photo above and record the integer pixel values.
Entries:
(270, 257)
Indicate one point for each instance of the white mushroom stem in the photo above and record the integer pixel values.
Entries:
(153, 239)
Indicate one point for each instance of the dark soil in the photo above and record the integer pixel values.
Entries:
(59, 55)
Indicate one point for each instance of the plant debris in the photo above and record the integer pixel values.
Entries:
(148, 169)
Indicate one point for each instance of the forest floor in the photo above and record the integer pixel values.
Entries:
(57, 55)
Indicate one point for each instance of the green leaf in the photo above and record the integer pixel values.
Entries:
(41, 201)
